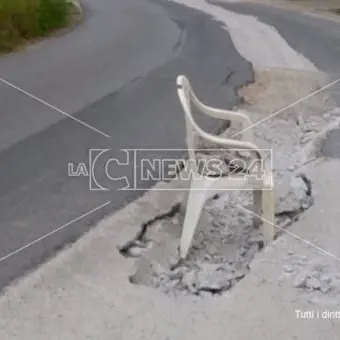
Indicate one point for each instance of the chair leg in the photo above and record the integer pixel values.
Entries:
(268, 204)
(184, 202)
(195, 204)
(186, 186)
(257, 203)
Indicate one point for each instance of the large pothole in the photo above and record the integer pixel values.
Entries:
(224, 245)
(225, 242)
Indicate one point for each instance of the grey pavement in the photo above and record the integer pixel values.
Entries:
(83, 293)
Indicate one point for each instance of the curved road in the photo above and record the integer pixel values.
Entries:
(116, 42)
(116, 71)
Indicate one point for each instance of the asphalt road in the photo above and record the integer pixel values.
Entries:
(115, 71)
(315, 38)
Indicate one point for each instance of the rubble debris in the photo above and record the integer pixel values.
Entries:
(317, 145)
(288, 268)
(222, 249)
(317, 278)
(188, 281)
(313, 283)
(300, 280)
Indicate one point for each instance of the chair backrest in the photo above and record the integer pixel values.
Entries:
(185, 94)
(188, 98)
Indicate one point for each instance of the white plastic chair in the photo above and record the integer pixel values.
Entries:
(203, 187)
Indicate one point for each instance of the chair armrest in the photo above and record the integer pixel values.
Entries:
(236, 144)
(235, 116)
(230, 143)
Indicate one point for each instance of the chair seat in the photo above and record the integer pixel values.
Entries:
(203, 186)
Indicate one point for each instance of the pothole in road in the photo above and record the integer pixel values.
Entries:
(224, 246)
(225, 242)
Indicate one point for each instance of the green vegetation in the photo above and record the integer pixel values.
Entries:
(22, 20)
